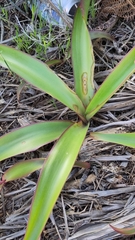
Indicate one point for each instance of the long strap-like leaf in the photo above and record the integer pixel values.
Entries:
(127, 139)
(41, 76)
(83, 59)
(31, 137)
(112, 83)
(52, 178)
(22, 169)
(84, 6)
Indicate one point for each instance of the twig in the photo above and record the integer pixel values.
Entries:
(120, 123)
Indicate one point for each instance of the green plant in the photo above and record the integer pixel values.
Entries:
(4, 13)
(84, 102)
(92, 9)
(33, 41)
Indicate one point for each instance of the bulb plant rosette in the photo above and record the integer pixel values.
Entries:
(85, 101)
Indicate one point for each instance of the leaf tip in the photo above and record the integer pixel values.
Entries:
(124, 231)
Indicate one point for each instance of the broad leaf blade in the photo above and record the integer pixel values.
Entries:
(125, 231)
(112, 83)
(31, 137)
(126, 139)
(83, 59)
(23, 169)
(41, 76)
(52, 178)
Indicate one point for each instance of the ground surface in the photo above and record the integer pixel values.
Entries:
(91, 199)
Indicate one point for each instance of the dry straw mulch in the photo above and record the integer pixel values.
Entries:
(91, 199)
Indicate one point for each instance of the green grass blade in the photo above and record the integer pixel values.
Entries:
(82, 59)
(112, 83)
(41, 76)
(23, 169)
(52, 178)
(126, 139)
(31, 137)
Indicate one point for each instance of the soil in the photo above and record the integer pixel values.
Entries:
(91, 199)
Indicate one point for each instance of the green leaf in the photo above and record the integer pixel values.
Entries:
(125, 231)
(92, 9)
(41, 76)
(112, 83)
(23, 169)
(53, 62)
(31, 137)
(126, 139)
(100, 34)
(82, 59)
(52, 178)
(84, 6)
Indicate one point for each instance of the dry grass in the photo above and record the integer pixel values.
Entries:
(91, 199)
